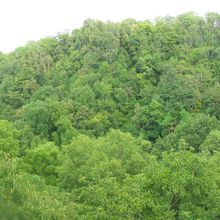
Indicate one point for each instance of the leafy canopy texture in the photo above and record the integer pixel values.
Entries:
(113, 121)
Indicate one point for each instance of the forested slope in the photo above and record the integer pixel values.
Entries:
(113, 121)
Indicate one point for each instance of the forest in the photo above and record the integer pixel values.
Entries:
(113, 121)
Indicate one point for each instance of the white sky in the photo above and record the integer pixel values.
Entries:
(26, 20)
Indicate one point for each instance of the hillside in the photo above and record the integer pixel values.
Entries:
(113, 121)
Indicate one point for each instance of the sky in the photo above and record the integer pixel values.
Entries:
(27, 20)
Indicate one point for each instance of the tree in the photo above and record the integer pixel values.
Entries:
(113, 121)
(212, 142)
(179, 92)
(8, 138)
(149, 119)
(192, 130)
(44, 161)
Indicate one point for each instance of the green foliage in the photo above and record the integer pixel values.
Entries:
(179, 187)
(103, 157)
(44, 161)
(211, 101)
(179, 92)
(189, 134)
(212, 142)
(150, 119)
(8, 138)
(113, 121)
(195, 128)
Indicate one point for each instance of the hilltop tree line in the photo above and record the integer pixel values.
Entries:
(113, 121)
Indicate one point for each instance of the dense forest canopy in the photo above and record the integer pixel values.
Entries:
(113, 121)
